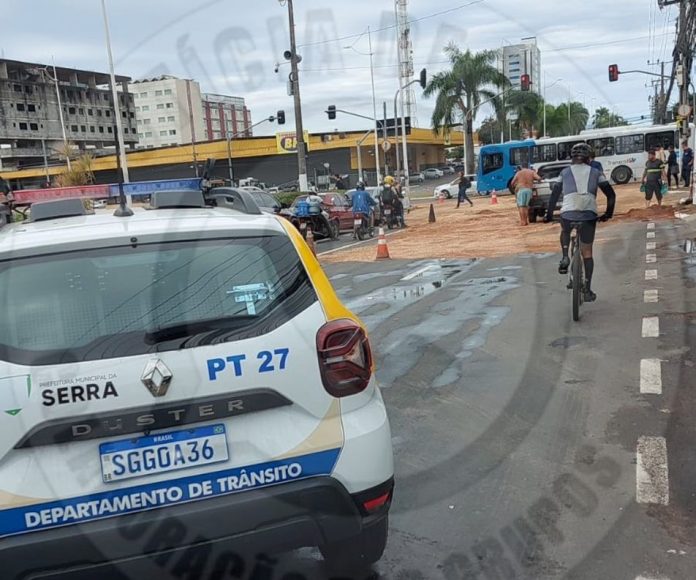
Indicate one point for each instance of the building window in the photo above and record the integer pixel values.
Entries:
(146, 108)
(217, 135)
(72, 110)
(170, 105)
(162, 120)
(81, 111)
(23, 126)
(92, 129)
(73, 128)
(99, 113)
(139, 122)
(90, 112)
(146, 121)
(148, 134)
(160, 106)
(124, 114)
(28, 90)
(171, 119)
(132, 115)
(167, 91)
(31, 108)
(20, 106)
(101, 129)
(163, 133)
(172, 131)
(109, 130)
(107, 113)
(137, 109)
(33, 126)
(17, 88)
(158, 93)
(83, 128)
(143, 95)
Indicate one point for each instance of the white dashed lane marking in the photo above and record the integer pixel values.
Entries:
(651, 296)
(652, 473)
(651, 327)
(651, 246)
(651, 226)
(651, 235)
(651, 274)
(651, 259)
(652, 578)
(651, 376)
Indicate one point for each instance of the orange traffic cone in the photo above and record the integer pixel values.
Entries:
(382, 248)
(310, 241)
(494, 199)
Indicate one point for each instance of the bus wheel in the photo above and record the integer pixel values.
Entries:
(621, 175)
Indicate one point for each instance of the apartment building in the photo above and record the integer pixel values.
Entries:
(32, 98)
(223, 116)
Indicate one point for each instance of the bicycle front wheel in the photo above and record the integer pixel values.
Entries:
(577, 286)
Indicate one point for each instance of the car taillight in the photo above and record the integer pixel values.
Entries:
(345, 357)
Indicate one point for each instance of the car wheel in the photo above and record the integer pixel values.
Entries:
(532, 215)
(335, 230)
(447, 194)
(621, 175)
(357, 554)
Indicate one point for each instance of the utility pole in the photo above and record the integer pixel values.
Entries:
(299, 129)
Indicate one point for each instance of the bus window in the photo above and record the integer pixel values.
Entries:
(565, 148)
(629, 144)
(492, 162)
(519, 156)
(662, 139)
(602, 147)
(544, 153)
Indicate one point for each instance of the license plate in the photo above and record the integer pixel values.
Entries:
(357, 223)
(303, 226)
(128, 458)
(387, 212)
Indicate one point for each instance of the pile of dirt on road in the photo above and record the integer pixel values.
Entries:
(489, 231)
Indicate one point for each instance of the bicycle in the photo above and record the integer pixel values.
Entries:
(576, 283)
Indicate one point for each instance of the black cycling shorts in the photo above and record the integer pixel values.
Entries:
(587, 230)
(651, 189)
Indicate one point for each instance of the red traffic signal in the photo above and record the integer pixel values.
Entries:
(525, 82)
(614, 73)
(331, 112)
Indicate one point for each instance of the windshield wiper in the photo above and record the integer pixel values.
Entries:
(185, 329)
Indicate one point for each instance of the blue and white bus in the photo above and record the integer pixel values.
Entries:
(621, 150)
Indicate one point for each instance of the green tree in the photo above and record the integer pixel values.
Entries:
(604, 118)
(529, 108)
(460, 90)
(559, 123)
(489, 131)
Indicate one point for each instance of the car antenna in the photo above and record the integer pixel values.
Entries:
(122, 210)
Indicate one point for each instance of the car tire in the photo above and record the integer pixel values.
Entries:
(447, 194)
(357, 554)
(621, 175)
(335, 230)
(533, 215)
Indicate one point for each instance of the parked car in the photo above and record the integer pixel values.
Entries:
(416, 178)
(447, 170)
(98, 203)
(550, 174)
(337, 205)
(450, 190)
(266, 202)
(433, 173)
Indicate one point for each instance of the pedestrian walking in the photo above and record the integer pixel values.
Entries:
(672, 167)
(653, 178)
(523, 185)
(687, 163)
(464, 183)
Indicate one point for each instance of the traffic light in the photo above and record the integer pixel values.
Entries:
(613, 73)
(525, 82)
(280, 117)
(423, 80)
(331, 112)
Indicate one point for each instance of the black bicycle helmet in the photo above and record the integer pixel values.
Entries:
(581, 151)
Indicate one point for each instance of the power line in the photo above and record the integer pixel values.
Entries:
(392, 26)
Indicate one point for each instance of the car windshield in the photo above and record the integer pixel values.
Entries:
(103, 303)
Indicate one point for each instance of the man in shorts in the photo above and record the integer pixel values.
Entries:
(653, 178)
(523, 183)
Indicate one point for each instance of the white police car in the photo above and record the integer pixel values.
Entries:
(180, 378)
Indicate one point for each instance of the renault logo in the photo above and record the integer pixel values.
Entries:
(156, 377)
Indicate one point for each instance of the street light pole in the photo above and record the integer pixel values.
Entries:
(374, 107)
(114, 92)
(229, 135)
(299, 129)
(60, 112)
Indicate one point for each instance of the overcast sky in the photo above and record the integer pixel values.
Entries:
(231, 46)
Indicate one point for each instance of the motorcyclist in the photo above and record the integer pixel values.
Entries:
(322, 215)
(389, 196)
(363, 203)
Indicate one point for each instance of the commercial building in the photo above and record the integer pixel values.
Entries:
(168, 111)
(224, 115)
(30, 113)
(517, 59)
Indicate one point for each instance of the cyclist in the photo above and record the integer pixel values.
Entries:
(579, 184)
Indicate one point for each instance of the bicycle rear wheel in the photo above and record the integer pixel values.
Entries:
(577, 285)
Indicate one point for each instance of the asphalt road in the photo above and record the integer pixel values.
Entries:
(526, 445)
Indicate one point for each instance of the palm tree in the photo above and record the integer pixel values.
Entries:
(604, 118)
(461, 90)
(560, 123)
(529, 108)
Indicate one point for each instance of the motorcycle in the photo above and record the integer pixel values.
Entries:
(391, 217)
(321, 227)
(362, 227)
